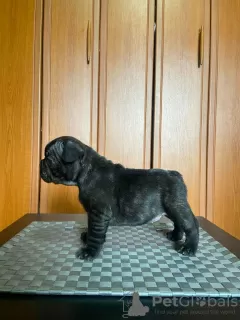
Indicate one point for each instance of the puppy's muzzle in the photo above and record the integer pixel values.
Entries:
(44, 171)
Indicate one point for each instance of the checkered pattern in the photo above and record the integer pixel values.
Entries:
(41, 259)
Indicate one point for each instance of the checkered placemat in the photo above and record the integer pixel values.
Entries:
(41, 260)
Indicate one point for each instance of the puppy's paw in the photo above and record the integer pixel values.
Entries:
(187, 249)
(84, 237)
(86, 254)
(175, 235)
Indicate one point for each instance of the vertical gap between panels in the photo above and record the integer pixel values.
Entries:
(153, 84)
(41, 97)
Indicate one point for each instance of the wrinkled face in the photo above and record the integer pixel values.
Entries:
(61, 164)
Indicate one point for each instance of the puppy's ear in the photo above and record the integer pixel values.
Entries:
(72, 152)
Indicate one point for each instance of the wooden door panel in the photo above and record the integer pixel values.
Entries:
(181, 94)
(69, 86)
(16, 92)
(224, 145)
(126, 64)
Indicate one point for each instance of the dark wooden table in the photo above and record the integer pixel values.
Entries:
(19, 306)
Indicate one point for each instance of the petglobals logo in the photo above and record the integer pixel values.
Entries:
(193, 301)
(133, 307)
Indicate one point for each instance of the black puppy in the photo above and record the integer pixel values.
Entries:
(114, 195)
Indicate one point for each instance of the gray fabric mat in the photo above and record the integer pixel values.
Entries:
(41, 260)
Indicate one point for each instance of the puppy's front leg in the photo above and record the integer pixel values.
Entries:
(95, 237)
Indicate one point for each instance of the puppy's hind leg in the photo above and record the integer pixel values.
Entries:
(179, 211)
(84, 237)
(176, 234)
(184, 222)
(95, 236)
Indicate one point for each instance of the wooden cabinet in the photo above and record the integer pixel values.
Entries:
(181, 91)
(70, 86)
(97, 70)
(16, 109)
(124, 132)
(126, 67)
(224, 118)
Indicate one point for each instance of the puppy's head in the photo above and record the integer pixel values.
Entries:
(63, 161)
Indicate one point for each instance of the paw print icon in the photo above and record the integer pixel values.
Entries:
(135, 307)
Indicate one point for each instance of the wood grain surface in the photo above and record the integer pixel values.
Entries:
(224, 133)
(69, 86)
(16, 75)
(180, 127)
(126, 64)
